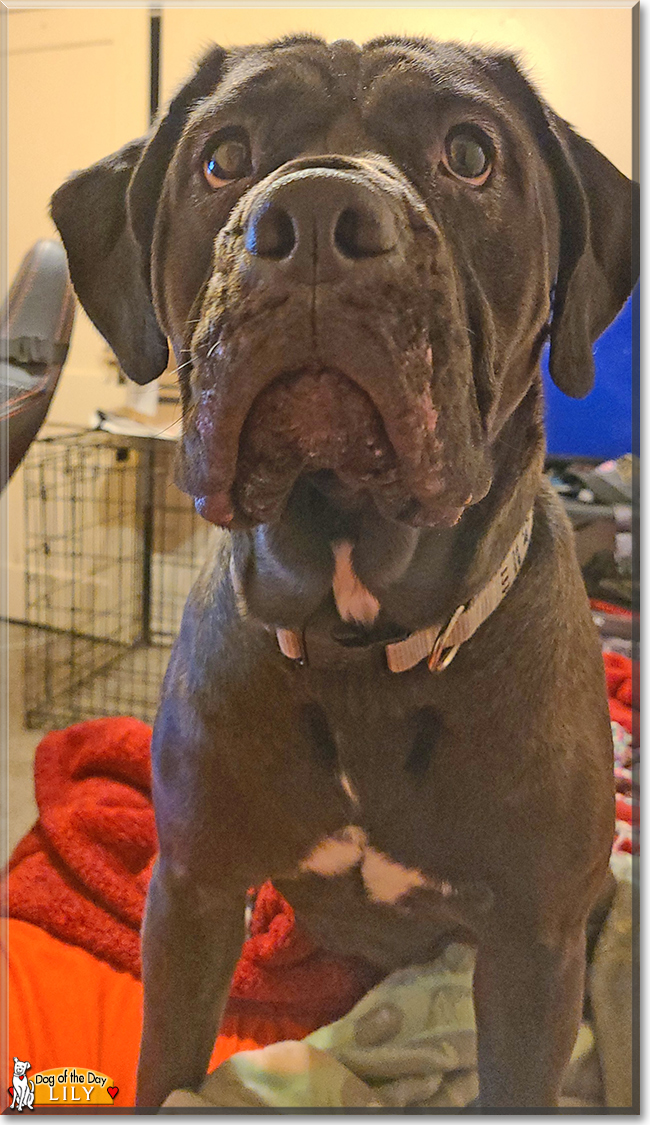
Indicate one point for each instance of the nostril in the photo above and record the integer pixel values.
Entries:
(270, 233)
(346, 234)
(360, 233)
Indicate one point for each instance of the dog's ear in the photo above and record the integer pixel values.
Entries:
(598, 264)
(598, 208)
(105, 262)
(105, 216)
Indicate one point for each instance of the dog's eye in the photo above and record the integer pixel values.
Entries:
(468, 154)
(228, 159)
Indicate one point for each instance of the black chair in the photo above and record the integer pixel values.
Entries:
(35, 327)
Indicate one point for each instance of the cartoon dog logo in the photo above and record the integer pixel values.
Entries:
(23, 1088)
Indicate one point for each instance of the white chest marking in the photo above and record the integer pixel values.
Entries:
(385, 880)
(353, 601)
(336, 854)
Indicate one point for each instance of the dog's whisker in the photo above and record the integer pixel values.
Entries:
(176, 370)
(170, 426)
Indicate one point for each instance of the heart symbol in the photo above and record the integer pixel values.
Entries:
(113, 1091)
(10, 1091)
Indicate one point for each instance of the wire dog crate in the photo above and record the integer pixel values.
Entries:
(112, 549)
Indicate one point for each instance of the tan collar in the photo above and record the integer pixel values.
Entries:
(439, 643)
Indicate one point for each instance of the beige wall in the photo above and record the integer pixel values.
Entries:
(579, 58)
(77, 88)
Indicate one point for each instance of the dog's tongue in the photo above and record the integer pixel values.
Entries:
(305, 423)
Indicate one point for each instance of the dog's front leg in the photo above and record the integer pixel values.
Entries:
(193, 934)
(528, 997)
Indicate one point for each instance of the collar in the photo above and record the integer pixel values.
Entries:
(439, 643)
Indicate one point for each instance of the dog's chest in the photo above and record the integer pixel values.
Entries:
(400, 802)
(384, 879)
(366, 743)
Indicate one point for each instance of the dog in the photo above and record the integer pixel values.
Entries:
(387, 693)
(23, 1088)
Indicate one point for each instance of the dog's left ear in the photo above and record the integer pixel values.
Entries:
(598, 264)
(598, 211)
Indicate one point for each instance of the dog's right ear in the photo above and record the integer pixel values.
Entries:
(105, 262)
(105, 216)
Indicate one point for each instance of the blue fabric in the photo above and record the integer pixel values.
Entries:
(600, 425)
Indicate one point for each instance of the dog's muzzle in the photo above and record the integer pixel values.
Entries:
(312, 353)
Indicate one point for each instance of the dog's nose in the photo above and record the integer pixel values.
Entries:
(317, 224)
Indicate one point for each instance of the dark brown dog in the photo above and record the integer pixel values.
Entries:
(358, 254)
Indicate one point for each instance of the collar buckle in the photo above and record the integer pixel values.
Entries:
(442, 653)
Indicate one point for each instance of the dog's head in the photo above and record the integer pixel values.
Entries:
(357, 254)
(20, 1068)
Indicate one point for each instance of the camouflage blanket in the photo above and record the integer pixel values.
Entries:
(411, 1041)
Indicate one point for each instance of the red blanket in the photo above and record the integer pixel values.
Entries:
(618, 672)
